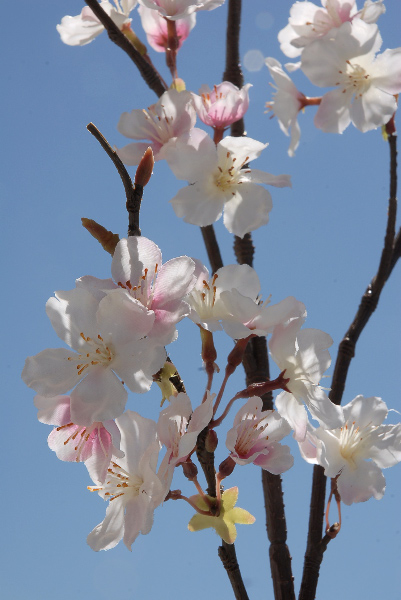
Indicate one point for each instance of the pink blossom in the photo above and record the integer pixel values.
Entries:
(137, 270)
(255, 438)
(155, 27)
(110, 348)
(132, 486)
(177, 9)
(172, 116)
(178, 429)
(93, 444)
(223, 105)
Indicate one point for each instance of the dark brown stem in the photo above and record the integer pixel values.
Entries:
(256, 365)
(206, 461)
(172, 47)
(145, 68)
(233, 71)
(133, 193)
(228, 557)
(256, 362)
(212, 247)
(346, 351)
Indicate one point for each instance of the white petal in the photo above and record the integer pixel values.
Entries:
(256, 176)
(122, 319)
(196, 207)
(373, 109)
(50, 372)
(386, 71)
(131, 257)
(333, 114)
(366, 411)
(360, 484)
(248, 209)
(109, 532)
(294, 412)
(100, 397)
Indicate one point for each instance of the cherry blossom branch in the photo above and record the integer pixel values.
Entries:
(133, 192)
(346, 351)
(144, 65)
(256, 362)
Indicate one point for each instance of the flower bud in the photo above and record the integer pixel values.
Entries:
(226, 467)
(107, 239)
(211, 441)
(190, 470)
(145, 168)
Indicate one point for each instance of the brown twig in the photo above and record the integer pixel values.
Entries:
(144, 66)
(212, 247)
(346, 351)
(228, 557)
(133, 193)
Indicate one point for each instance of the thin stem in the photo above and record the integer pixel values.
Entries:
(216, 422)
(145, 68)
(172, 47)
(133, 192)
(228, 557)
(212, 247)
(221, 392)
(346, 351)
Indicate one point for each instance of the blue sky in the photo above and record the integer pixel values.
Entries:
(322, 245)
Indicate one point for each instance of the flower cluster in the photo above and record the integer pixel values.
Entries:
(116, 330)
(338, 47)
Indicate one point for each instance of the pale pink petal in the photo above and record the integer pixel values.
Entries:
(277, 460)
(54, 410)
(175, 279)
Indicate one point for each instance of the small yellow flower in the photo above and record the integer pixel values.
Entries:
(224, 524)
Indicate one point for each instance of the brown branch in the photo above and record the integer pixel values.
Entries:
(133, 193)
(228, 557)
(256, 361)
(147, 71)
(346, 351)
(233, 71)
